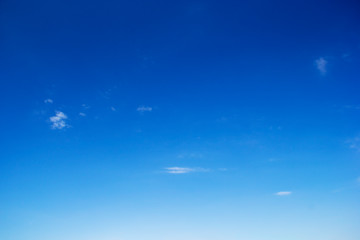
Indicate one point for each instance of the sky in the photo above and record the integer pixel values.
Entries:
(173, 120)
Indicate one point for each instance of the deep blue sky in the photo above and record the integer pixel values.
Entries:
(163, 120)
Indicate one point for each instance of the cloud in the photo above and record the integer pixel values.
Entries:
(144, 109)
(58, 121)
(352, 107)
(283, 193)
(190, 155)
(85, 106)
(48, 100)
(182, 170)
(354, 143)
(321, 65)
(82, 114)
(223, 169)
(113, 109)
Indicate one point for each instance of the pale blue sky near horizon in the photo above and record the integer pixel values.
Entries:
(196, 120)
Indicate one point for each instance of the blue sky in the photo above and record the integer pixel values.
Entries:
(197, 120)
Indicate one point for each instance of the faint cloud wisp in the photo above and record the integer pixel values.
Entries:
(182, 170)
(190, 155)
(85, 106)
(283, 193)
(321, 65)
(354, 143)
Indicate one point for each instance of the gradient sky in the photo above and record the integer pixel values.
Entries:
(180, 120)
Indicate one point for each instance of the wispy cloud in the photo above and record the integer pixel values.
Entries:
(352, 107)
(48, 101)
(222, 169)
(113, 109)
(283, 193)
(190, 155)
(58, 121)
(354, 143)
(321, 65)
(82, 114)
(182, 170)
(85, 106)
(346, 57)
(108, 92)
(144, 109)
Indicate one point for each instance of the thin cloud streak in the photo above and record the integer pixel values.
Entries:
(283, 193)
(142, 109)
(183, 170)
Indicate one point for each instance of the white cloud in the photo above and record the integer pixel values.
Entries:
(182, 170)
(82, 114)
(48, 100)
(321, 65)
(144, 109)
(58, 121)
(283, 193)
(113, 109)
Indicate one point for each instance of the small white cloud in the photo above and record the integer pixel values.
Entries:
(113, 109)
(82, 114)
(182, 170)
(321, 65)
(283, 193)
(144, 109)
(58, 121)
(48, 100)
